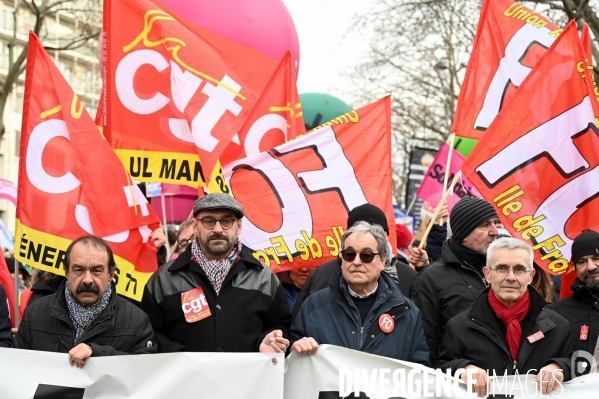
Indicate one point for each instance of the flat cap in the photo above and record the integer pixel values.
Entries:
(217, 201)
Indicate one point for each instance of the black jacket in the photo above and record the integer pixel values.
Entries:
(446, 288)
(120, 329)
(320, 278)
(477, 336)
(5, 323)
(581, 309)
(250, 305)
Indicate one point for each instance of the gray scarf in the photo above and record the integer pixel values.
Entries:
(83, 318)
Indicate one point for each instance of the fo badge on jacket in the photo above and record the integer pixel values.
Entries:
(194, 305)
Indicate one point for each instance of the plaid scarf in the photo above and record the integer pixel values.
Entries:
(81, 317)
(216, 270)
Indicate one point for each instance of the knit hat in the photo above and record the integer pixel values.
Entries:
(469, 213)
(367, 213)
(586, 243)
(404, 236)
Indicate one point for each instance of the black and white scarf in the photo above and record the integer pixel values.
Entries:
(216, 270)
(81, 317)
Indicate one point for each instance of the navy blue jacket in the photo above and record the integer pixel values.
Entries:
(330, 317)
(5, 323)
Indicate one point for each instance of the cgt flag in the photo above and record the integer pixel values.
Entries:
(510, 39)
(538, 163)
(173, 91)
(297, 195)
(431, 189)
(71, 183)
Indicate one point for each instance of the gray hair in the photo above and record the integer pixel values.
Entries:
(183, 226)
(509, 243)
(377, 232)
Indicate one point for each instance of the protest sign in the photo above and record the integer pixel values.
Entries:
(510, 39)
(297, 195)
(538, 162)
(71, 183)
(431, 189)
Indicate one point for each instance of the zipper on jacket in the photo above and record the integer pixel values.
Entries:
(361, 330)
(514, 366)
(477, 273)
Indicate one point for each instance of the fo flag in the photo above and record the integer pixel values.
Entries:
(431, 189)
(71, 183)
(173, 91)
(297, 196)
(510, 39)
(538, 163)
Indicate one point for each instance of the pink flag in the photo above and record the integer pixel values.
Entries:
(431, 188)
(8, 191)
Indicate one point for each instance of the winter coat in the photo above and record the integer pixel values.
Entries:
(320, 278)
(477, 336)
(447, 287)
(5, 323)
(330, 317)
(581, 309)
(120, 329)
(251, 304)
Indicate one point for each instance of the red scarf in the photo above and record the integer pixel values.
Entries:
(512, 318)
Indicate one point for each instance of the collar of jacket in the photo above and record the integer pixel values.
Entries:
(583, 293)
(453, 252)
(389, 289)
(184, 261)
(59, 310)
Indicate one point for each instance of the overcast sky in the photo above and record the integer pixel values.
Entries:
(326, 44)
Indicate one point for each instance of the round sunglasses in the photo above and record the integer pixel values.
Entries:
(349, 255)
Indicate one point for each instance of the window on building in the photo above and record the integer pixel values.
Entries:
(4, 56)
(89, 81)
(66, 70)
(17, 144)
(8, 20)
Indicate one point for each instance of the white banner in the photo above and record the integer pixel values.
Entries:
(332, 373)
(44, 375)
(335, 372)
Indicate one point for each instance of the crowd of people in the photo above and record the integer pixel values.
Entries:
(469, 300)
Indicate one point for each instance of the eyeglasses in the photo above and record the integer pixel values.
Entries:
(518, 271)
(210, 222)
(184, 243)
(349, 255)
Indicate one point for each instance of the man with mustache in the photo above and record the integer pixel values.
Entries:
(216, 297)
(508, 330)
(86, 317)
(582, 308)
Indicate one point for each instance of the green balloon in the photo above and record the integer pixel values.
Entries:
(319, 108)
(463, 145)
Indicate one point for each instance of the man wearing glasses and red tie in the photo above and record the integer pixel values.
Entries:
(216, 297)
(363, 308)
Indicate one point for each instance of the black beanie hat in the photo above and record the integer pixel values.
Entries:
(586, 243)
(467, 214)
(367, 213)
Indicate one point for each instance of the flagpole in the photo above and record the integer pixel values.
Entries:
(411, 205)
(439, 206)
(168, 246)
(448, 166)
(16, 280)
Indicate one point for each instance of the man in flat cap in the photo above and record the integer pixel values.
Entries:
(582, 308)
(216, 297)
(453, 283)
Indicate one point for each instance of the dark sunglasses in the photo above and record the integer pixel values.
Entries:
(349, 255)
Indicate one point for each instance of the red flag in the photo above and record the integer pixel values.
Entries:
(297, 195)
(71, 183)
(7, 281)
(510, 39)
(538, 163)
(587, 46)
(276, 118)
(173, 91)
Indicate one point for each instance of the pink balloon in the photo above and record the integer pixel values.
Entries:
(264, 25)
